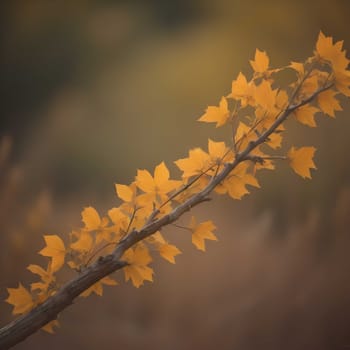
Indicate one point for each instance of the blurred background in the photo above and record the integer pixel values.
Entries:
(93, 90)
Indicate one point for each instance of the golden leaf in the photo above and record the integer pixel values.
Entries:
(301, 160)
(201, 232)
(21, 299)
(219, 115)
(55, 250)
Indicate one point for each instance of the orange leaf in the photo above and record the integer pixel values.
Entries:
(137, 271)
(342, 82)
(49, 326)
(265, 96)
(168, 252)
(158, 186)
(328, 103)
(202, 231)
(46, 276)
(21, 299)
(124, 192)
(242, 90)
(301, 160)
(235, 184)
(274, 140)
(331, 53)
(195, 164)
(84, 242)
(306, 115)
(97, 288)
(261, 61)
(91, 218)
(55, 250)
(218, 115)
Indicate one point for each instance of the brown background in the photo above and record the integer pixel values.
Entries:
(93, 90)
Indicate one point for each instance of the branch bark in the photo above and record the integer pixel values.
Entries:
(24, 326)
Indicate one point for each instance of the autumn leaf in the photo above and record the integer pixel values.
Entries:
(91, 218)
(156, 187)
(168, 252)
(342, 82)
(49, 327)
(219, 115)
(328, 103)
(244, 135)
(274, 140)
(242, 90)
(46, 277)
(97, 288)
(120, 220)
(332, 53)
(236, 183)
(196, 163)
(219, 153)
(260, 64)
(309, 86)
(21, 299)
(84, 242)
(201, 232)
(265, 96)
(124, 192)
(55, 250)
(137, 271)
(301, 160)
(306, 115)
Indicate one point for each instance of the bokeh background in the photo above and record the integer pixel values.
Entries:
(92, 90)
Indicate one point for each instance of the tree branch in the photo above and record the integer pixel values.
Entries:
(28, 324)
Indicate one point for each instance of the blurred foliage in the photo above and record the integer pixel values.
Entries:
(93, 90)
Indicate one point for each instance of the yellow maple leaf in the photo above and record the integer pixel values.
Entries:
(84, 241)
(137, 271)
(46, 277)
(332, 53)
(126, 193)
(219, 115)
(301, 160)
(91, 218)
(342, 82)
(264, 96)
(274, 140)
(244, 134)
(168, 252)
(55, 250)
(260, 64)
(242, 90)
(195, 164)
(97, 288)
(49, 326)
(21, 299)
(235, 184)
(219, 154)
(328, 103)
(120, 220)
(309, 86)
(201, 232)
(306, 115)
(156, 188)
(135, 206)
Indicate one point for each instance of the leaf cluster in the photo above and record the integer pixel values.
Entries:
(254, 111)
